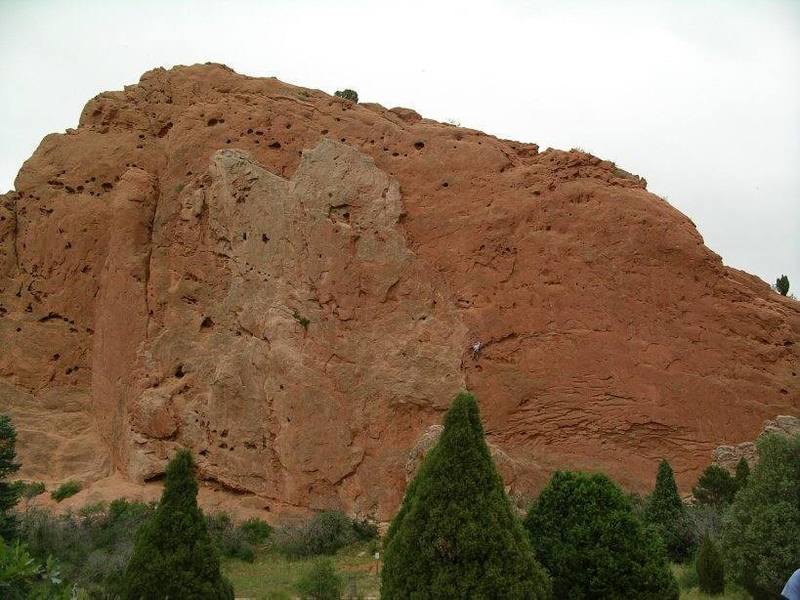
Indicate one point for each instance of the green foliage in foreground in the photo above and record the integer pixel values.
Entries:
(174, 556)
(9, 491)
(710, 570)
(665, 511)
(348, 94)
(320, 581)
(455, 535)
(65, 490)
(23, 578)
(761, 531)
(587, 536)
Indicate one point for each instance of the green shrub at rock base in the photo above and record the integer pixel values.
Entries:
(710, 570)
(229, 540)
(761, 530)
(255, 531)
(33, 489)
(715, 486)
(174, 556)
(320, 581)
(456, 535)
(665, 511)
(589, 539)
(325, 533)
(65, 490)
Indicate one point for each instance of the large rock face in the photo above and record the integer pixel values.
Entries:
(290, 284)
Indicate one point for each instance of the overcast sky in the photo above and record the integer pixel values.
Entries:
(700, 98)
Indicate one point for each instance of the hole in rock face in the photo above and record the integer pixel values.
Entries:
(275, 145)
(419, 145)
(179, 372)
(207, 323)
(164, 130)
(212, 122)
(445, 184)
(264, 238)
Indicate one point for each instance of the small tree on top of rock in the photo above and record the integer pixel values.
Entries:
(589, 539)
(710, 570)
(716, 486)
(174, 556)
(782, 285)
(761, 531)
(348, 94)
(9, 491)
(665, 510)
(456, 535)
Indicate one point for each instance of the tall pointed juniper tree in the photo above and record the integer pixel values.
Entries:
(456, 535)
(665, 510)
(174, 556)
(9, 491)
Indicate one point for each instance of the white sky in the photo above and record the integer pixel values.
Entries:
(700, 98)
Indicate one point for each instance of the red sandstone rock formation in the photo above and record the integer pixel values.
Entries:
(158, 265)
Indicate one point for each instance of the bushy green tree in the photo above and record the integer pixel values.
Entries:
(348, 94)
(710, 570)
(761, 531)
(320, 581)
(456, 535)
(665, 511)
(742, 473)
(174, 556)
(9, 490)
(589, 539)
(715, 486)
(782, 285)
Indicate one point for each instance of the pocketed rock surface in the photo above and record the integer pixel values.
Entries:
(290, 284)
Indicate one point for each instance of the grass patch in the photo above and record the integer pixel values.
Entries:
(687, 580)
(273, 576)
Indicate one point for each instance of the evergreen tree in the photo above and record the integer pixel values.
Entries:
(782, 285)
(742, 473)
(665, 511)
(710, 571)
(589, 539)
(716, 486)
(456, 535)
(174, 556)
(761, 530)
(9, 491)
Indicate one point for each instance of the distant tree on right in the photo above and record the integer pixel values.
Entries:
(782, 285)
(665, 511)
(761, 531)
